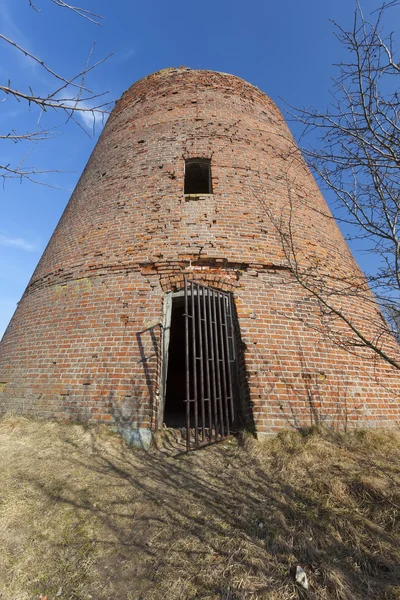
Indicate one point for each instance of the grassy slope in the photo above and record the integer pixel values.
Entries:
(83, 516)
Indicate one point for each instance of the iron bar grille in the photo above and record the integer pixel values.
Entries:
(210, 359)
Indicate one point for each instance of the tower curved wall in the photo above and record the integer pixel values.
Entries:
(86, 339)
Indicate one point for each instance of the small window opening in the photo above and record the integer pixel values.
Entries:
(198, 176)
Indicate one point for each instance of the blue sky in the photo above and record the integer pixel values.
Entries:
(286, 48)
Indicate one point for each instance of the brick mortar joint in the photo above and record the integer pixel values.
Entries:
(152, 267)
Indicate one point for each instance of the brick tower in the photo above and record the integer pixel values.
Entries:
(184, 206)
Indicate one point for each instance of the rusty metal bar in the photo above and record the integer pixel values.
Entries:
(234, 375)
(229, 350)
(187, 368)
(210, 356)
(217, 362)
(207, 363)
(212, 363)
(194, 361)
(232, 329)
(224, 396)
(234, 337)
(200, 362)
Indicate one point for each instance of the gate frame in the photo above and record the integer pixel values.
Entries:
(166, 329)
(234, 392)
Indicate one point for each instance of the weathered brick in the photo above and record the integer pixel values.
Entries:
(85, 341)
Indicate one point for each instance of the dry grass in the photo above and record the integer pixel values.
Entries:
(82, 516)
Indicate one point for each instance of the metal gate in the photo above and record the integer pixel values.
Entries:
(210, 360)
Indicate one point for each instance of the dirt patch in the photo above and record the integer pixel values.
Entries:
(82, 516)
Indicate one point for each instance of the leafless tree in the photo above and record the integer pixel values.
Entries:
(357, 156)
(69, 95)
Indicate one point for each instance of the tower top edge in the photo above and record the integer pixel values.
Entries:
(170, 72)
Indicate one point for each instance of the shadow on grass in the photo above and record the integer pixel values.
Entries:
(226, 522)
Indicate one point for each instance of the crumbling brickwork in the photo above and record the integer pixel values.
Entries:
(86, 340)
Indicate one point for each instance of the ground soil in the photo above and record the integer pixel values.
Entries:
(82, 516)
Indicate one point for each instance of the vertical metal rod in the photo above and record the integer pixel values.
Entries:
(207, 363)
(201, 361)
(187, 369)
(217, 363)
(212, 362)
(224, 399)
(229, 350)
(234, 373)
(232, 327)
(235, 340)
(194, 347)
(232, 336)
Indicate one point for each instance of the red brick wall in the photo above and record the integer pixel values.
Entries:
(85, 341)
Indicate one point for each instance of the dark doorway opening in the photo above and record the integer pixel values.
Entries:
(202, 384)
(175, 405)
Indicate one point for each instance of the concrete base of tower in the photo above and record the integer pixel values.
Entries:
(262, 436)
(137, 437)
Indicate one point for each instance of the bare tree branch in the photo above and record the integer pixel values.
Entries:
(40, 62)
(358, 158)
(29, 174)
(70, 96)
(29, 136)
(81, 12)
(66, 104)
(331, 292)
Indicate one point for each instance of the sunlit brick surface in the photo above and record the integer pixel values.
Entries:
(85, 341)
